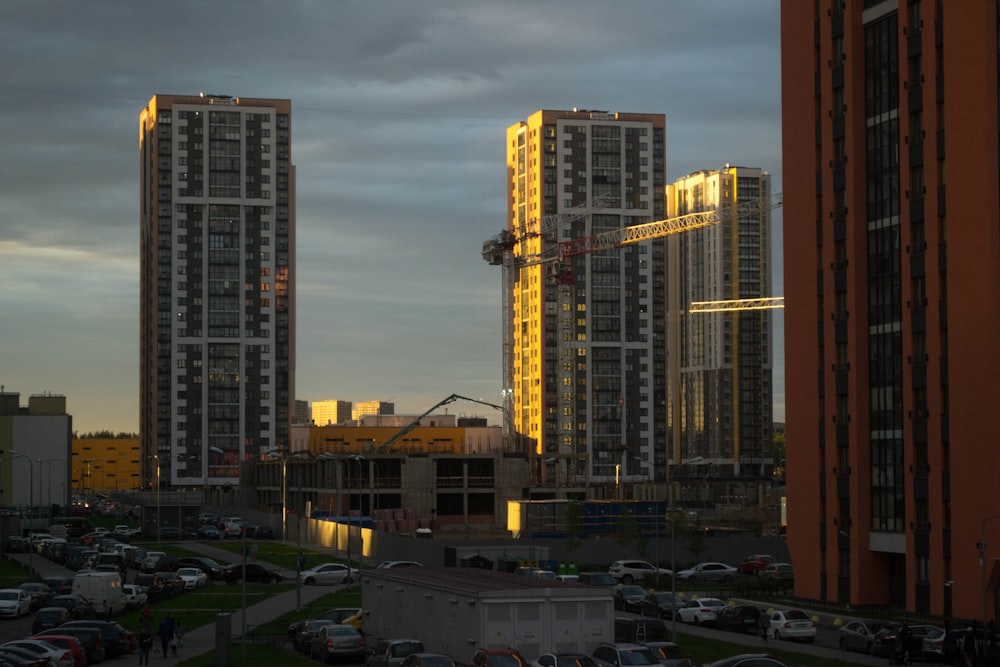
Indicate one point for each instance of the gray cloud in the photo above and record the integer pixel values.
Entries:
(400, 109)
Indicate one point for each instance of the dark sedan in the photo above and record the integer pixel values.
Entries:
(40, 594)
(210, 567)
(661, 604)
(739, 618)
(255, 573)
(884, 643)
(629, 597)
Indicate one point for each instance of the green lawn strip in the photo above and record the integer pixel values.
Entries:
(201, 607)
(280, 554)
(704, 650)
(253, 655)
(349, 596)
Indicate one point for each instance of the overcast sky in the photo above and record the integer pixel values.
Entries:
(399, 114)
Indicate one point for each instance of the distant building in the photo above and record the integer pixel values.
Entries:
(331, 412)
(35, 441)
(722, 360)
(302, 413)
(372, 408)
(106, 465)
(217, 285)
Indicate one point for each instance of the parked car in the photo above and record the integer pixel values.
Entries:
(16, 545)
(90, 638)
(884, 644)
(944, 646)
(662, 604)
(337, 641)
(597, 579)
(49, 617)
(72, 644)
(792, 624)
(700, 610)
(497, 657)
(629, 597)
(151, 559)
(302, 641)
(233, 527)
(328, 573)
(708, 572)
(153, 585)
(59, 585)
(117, 640)
(207, 531)
(135, 596)
(670, 654)
(755, 563)
(430, 660)
(398, 563)
(55, 655)
(14, 602)
(392, 652)
(620, 654)
(738, 618)
(780, 571)
(857, 636)
(564, 660)
(39, 592)
(255, 573)
(337, 615)
(78, 608)
(627, 571)
(210, 567)
(192, 577)
(19, 657)
(749, 660)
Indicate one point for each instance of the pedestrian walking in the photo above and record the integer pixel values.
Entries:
(253, 551)
(969, 646)
(145, 646)
(166, 633)
(764, 625)
(302, 561)
(146, 620)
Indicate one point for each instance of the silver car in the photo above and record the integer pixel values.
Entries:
(709, 572)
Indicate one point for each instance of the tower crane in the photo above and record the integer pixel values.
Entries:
(499, 251)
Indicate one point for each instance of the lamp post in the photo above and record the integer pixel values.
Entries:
(31, 497)
(156, 460)
(982, 567)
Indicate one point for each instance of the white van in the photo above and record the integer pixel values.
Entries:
(103, 590)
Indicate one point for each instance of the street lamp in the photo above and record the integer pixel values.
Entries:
(982, 567)
(156, 459)
(31, 496)
(357, 458)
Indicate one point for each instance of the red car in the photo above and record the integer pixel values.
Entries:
(756, 563)
(69, 643)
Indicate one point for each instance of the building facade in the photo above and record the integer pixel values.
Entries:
(892, 271)
(106, 465)
(331, 412)
(364, 408)
(720, 388)
(217, 320)
(584, 365)
(35, 453)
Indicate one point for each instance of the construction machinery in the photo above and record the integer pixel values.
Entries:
(384, 447)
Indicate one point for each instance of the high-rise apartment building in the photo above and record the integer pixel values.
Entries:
(217, 320)
(892, 277)
(584, 339)
(723, 361)
(331, 412)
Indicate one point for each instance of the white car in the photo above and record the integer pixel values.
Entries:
(629, 571)
(14, 602)
(398, 563)
(151, 559)
(135, 596)
(700, 610)
(192, 577)
(233, 527)
(709, 572)
(328, 573)
(792, 624)
(58, 657)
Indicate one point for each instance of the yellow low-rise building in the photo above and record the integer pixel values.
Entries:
(105, 465)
